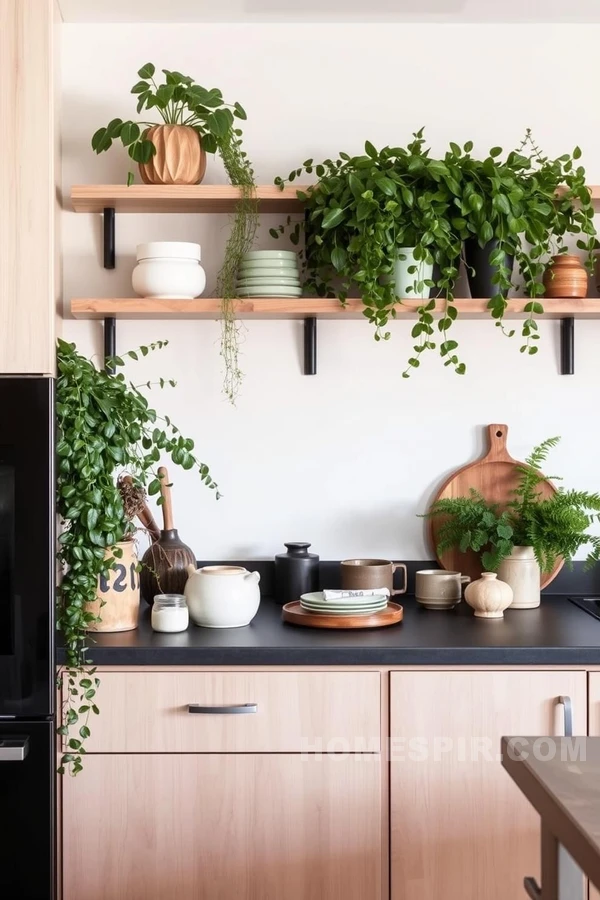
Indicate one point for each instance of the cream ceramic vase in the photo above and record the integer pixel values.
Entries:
(222, 596)
(489, 597)
(521, 571)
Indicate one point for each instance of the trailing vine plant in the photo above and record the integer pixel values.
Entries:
(180, 101)
(104, 425)
(364, 208)
(241, 239)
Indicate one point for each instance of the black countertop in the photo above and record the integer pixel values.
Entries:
(557, 634)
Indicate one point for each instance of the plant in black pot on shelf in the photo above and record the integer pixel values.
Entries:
(521, 210)
(104, 425)
(377, 224)
(195, 121)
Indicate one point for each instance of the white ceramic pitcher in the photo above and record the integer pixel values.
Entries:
(222, 596)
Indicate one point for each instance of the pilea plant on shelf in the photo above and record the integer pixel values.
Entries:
(104, 425)
(196, 121)
(365, 212)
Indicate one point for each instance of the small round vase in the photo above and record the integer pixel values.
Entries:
(566, 278)
(179, 157)
(489, 597)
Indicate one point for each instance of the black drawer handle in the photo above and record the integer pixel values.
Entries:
(532, 889)
(242, 710)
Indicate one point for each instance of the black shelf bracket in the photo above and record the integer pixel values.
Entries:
(109, 237)
(567, 346)
(110, 323)
(110, 342)
(310, 345)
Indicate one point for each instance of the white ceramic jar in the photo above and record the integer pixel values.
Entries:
(521, 571)
(222, 596)
(169, 270)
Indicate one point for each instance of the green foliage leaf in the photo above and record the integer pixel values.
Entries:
(147, 71)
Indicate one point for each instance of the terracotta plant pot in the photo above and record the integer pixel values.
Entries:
(566, 278)
(118, 599)
(179, 157)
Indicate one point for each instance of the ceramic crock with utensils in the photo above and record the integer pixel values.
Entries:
(165, 562)
(370, 574)
(439, 589)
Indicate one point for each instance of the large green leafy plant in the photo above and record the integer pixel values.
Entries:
(364, 208)
(180, 101)
(555, 527)
(524, 207)
(361, 211)
(104, 425)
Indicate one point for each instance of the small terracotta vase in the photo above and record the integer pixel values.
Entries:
(179, 157)
(489, 597)
(117, 602)
(566, 278)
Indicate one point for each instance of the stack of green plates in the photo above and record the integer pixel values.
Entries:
(269, 273)
(345, 606)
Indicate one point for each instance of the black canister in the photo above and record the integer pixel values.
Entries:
(296, 572)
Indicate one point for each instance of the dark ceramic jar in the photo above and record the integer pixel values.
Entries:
(296, 572)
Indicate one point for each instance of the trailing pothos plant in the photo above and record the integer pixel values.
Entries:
(364, 208)
(180, 101)
(104, 425)
(555, 527)
(361, 211)
(524, 207)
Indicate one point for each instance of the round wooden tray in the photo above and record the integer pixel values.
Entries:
(293, 613)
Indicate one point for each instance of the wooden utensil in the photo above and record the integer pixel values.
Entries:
(296, 615)
(495, 476)
(144, 514)
(165, 562)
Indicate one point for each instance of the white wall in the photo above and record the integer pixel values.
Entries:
(345, 459)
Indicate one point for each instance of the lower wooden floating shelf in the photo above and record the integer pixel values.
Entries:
(280, 308)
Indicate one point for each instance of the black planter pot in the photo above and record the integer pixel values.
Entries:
(296, 573)
(478, 258)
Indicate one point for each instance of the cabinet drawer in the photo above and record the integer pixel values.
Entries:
(294, 712)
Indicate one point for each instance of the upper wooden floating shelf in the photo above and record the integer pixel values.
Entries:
(139, 308)
(205, 198)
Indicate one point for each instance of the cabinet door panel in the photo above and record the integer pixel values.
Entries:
(594, 731)
(27, 187)
(218, 827)
(461, 829)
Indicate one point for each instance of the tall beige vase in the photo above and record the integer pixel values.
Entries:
(522, 572)
(118, 600)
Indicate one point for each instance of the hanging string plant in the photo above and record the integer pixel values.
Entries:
(196, 121)
(104, 425)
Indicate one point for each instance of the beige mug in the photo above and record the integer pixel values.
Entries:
(370, 574)
(439, 589)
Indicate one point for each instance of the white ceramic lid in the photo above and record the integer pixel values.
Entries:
(169, 250)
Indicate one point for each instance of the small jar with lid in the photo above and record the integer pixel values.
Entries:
(170, 613)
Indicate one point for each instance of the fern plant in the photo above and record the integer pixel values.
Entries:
(555, 527)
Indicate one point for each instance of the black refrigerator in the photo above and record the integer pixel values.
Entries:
(27, 680)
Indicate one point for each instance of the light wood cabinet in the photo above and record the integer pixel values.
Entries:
(27, 186)
(461, 829)
(594, 731)
(212, 818)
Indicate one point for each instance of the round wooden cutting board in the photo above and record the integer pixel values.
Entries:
(495, 476)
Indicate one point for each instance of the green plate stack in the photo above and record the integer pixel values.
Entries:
(269, 273)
